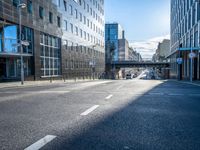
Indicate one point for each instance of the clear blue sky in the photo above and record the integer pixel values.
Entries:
(141, 19)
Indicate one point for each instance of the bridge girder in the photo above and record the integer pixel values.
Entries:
(125, 64)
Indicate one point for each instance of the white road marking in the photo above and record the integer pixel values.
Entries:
(156, 93)
(89, 110)
(108, 97)
(174, 94)
(46, 92)
(39, 144)
(119, 87)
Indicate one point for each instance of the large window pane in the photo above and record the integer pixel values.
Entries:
(1, 46)
(10, 36)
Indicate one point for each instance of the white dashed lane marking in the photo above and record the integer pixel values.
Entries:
(89, 110)
(42, 142)
(108, 97)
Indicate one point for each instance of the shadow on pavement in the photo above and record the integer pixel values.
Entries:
(154, 121)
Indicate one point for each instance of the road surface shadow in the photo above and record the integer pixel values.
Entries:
(151, 122)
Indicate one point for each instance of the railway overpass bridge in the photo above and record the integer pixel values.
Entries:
(130, 64)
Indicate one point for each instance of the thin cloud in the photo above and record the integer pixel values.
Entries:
(148, 48)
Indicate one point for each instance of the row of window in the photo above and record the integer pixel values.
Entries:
(86, 36)
(73, 29)
(82, 18)
(83, 3)
(71, 64)
(82, 49)
(89, 10)
(75, 64)
(184, 18)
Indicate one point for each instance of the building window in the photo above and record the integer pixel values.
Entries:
(91, 11)
(88, 22)
(50, 17)
(58, 3)
(9, 37)
(76, 13)
(65, 24)
(29, 7)
(81, 33)
(84, 5)
(80, 3)
(50, 56)
(65, 5)
(71, 10)
(80, 14)
(15, 3)
(58, 21)
(88, 9)
(71, 25)
(84, 35)
(84, 20)
(41, 12)
(76, 30)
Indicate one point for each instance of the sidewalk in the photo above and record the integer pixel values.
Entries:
(38, 83)
(196, 83)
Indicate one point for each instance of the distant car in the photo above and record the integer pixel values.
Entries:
(134, 75)
(129, 76)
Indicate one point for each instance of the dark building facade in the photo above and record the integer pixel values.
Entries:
(66, 39)
(185, 34)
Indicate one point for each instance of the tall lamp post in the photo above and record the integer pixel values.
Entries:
(93, 62)
(20, 7)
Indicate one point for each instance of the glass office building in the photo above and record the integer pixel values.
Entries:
(64, 37)
(113, 32)
(185, 34)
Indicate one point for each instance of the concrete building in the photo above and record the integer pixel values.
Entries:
(162, 51)
(185, 33)
(134, 55)
(66, 39)
(123, 50)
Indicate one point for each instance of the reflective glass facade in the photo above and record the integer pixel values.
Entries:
(58, 32)
(185, 33)
(113, 32)
(9, 35)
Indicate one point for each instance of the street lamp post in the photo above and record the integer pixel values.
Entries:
(20, 7)
(93, 62)
(191, 65)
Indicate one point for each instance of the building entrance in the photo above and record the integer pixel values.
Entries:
(2, 68)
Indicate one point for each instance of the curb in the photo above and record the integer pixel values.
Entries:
(193, 83)
(40, 83)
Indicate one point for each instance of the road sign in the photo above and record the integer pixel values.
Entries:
(192, 55)
(25, 43)
(188, 48)
(179, 60)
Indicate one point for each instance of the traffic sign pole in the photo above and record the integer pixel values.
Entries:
(191, 66)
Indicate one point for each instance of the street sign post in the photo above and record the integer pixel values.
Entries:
(179, 61)
(188, 48)
(192, 55)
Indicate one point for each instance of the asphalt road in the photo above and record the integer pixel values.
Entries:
(101, 115)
